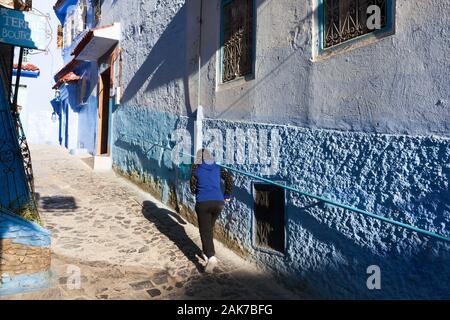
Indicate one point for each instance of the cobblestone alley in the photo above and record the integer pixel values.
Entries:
(124, 244)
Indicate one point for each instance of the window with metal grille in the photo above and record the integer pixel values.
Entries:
(237, 39)
(26, 55)
(344, 20)
(97, 11)
(269, 217)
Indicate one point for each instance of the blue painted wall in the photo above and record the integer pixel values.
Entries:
(70, 111)
(367, 126)
(62, 13)
(24, 283)
(88, 112)
(136, 130)
(329, 249)
(21, 231)
(83, 111)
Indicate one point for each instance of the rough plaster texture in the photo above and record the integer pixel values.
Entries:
(396, 84)
(136, 131)
(329, 249)
(160, 44)
(384, 100)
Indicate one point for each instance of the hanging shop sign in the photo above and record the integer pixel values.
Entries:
(23, 29)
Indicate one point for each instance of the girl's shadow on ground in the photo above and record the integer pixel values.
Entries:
(171, 225)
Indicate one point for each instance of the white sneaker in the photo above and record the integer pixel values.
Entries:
(212, 263)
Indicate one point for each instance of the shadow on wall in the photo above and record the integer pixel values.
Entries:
(171, 58)
(408, 261)
(174, 56)
(167, 60)
(266, 78)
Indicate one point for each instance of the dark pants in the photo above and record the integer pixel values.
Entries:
(207, 214)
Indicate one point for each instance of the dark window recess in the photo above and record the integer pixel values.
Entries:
(84, 14)
(347, 19)
(269, 213)
(97, 11)
(60, 37)
(237, 39)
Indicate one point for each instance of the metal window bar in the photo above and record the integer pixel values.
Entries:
(347, 19)
(238, 39)
(325, 200)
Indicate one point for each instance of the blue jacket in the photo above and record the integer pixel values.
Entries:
(205, 182)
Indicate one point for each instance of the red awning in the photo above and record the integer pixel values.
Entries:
(70, 77)
(66, 69)
(27, 67)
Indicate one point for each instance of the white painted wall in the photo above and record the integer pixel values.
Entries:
(36, 114)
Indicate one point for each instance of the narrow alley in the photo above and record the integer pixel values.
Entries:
(126, 244)
(224, 150)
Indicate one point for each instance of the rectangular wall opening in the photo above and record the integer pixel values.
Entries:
(269, 217)
(103, 113)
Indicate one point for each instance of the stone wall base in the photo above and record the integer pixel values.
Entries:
(18, 259)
